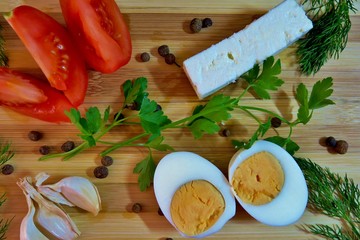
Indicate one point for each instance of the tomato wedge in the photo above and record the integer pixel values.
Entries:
(100, 31)
(52, 48)
(32, 97)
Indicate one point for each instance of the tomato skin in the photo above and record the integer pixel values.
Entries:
(51, 46)
(100, 31)
(49, 108)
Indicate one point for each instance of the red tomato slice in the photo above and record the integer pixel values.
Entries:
(100, 31)
(53, 50)
(32, 97)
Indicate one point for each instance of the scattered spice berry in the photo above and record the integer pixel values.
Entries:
(169, 239)
(136, 208)
(118, 117)
(160, 212)
(68, 146)
(101, 172)
(34, 135)
(207, 22)
(7, 169)
(275, 122)
(44, 150)
(171, 59)
(158, 108)
(330, 142)
(163, 50)
(145, 57)
(132, 106)
(225, 132)
(196, 25)
(341, 146)
(107, 161)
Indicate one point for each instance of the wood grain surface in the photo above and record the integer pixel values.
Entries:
(153, 23)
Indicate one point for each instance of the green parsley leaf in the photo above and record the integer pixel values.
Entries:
(146, 171)
(267, 80)
(157, 143)
(318, 98)
(152, 119)
(286, 143)
(203, 125)
(134, 91)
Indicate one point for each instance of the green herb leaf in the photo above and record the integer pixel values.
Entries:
(146, 171)
(286, 143)
(152, 119)
(260, 132)
(334, 196)
(202, 126)
(157, 143)
(267, 80)
(318, 98)
(134, 91)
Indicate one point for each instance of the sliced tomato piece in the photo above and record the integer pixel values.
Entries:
(52, 48)
(32, 97)
(100, 31)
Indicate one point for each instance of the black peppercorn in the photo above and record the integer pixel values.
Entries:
(275, 122)
(34, 135)
(196, 25)
(163, 50)
(171, 59)
(207, 22)
(101, 172)
(136, 208)
(145, 57)
(169, 239)
(7, 169)
(68, 146)
(341, 146)
(225, 132)
(44, 150)
(330, 142)
(118, 117)
(107, 161)
(132, 106)
(160, 212)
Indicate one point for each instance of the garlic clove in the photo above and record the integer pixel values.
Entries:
(49, 216)
(54, 196)
(28, 230)
(80, 192)
(40, 178)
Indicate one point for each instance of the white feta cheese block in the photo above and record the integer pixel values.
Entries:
(224, 62)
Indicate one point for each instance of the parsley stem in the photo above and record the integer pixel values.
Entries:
(247, 108)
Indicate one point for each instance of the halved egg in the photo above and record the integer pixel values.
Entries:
(268, 184)
(193, 194)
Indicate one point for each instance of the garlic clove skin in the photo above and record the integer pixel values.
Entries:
(49, 216)
(28, 230)
(80, 192)
(54, 196)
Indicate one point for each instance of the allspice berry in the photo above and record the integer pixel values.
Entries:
(207, 22)
(136, 208)
(68, 146)
(275, 122)
(101, 172)
(163, 50)
(34, 135)
(7, 169)
(341, 146)
(145, 57)
(330, 141)
(196, 25)
(107, 161)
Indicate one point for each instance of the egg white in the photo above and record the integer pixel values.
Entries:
(178, 168)
(286, 208)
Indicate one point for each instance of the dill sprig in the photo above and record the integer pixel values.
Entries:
(4, 224)
(334, 196)
(3, 57)
(5, 153)
(329, 35)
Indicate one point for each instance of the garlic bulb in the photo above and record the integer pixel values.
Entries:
(28, 230)
(78, 191)
(49, 216)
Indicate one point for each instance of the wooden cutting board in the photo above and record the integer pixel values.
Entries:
(153, 23)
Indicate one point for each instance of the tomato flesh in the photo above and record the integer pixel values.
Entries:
(100, 31)
(32, 97)
(52, 48)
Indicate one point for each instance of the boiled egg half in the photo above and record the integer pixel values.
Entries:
(268, 184)
(193, 194)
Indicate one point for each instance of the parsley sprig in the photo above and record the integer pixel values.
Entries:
(308, 102)
(334, 196)
(204, 119)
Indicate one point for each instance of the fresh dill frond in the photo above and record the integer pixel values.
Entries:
(4, 60)
(5, 153)
(334, 196)
(329, 35)
(4, 224)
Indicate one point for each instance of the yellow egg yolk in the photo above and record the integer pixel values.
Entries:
(258, 179)
(196, 206)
